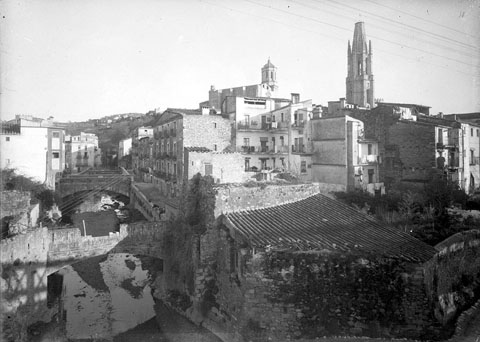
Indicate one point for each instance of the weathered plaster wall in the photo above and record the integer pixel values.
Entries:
(23, 284)
(226, 167)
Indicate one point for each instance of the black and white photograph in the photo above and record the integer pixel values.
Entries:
(240, 170)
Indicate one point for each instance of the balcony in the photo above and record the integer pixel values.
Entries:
(249, 126)
(298, 149)
(263, 149)
(298, 124)
(370, 159)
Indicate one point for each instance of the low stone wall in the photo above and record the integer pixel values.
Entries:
(452, 277)
(232, 198)
(69, 244)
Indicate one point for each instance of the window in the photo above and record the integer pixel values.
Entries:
(214, 125)
(282, 141)
(246, 141)
(370, 149)
(214, 147)
(56, 134)
(208, 169)
(471, 132)
(247, 164)
(303, 166)
(56, 155)
(370, 176)
(282, 117)
(478, 130)
(174, 169)
(440, 136)
(7, 138)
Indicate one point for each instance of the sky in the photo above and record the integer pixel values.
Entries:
(83, 59)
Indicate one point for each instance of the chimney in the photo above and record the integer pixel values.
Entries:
(295, 97)
(317, 112)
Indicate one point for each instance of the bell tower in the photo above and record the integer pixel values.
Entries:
(269, 76)
(360, 83)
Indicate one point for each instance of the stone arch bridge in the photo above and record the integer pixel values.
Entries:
(118, 181)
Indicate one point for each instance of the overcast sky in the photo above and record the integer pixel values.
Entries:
(83, 59)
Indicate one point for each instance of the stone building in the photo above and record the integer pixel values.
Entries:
(341, 154)
(141, 151)
(412, 144)
(161, 155)
(82, 152)
(34, 147)
(270, 263)
(360, 83)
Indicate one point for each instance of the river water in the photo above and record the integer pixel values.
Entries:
(117, 297)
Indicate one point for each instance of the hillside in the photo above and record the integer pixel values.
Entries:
(111, 129)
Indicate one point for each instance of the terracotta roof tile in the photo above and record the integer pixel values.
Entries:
(320, 222)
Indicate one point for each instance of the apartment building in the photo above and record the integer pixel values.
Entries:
(270, 132)
(82, 152)
(33, 147)
(343, 155)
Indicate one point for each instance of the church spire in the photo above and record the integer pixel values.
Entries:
(360, 81)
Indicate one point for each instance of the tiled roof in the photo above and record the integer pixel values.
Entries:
(197, 149)
(320, 222)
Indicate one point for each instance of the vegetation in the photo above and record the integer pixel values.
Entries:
(11, 180)
(424, 212)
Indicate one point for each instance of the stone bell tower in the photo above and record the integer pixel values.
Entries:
(269, 76)
(360, 83)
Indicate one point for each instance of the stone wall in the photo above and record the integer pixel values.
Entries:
(23, 284)
(282, 296)
(139, 238)
(14, 202)
(232, 198)
(415, 156)
(452, 277)
(17, 214)
(206, 131)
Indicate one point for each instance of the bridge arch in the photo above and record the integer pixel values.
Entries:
(94, 182)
